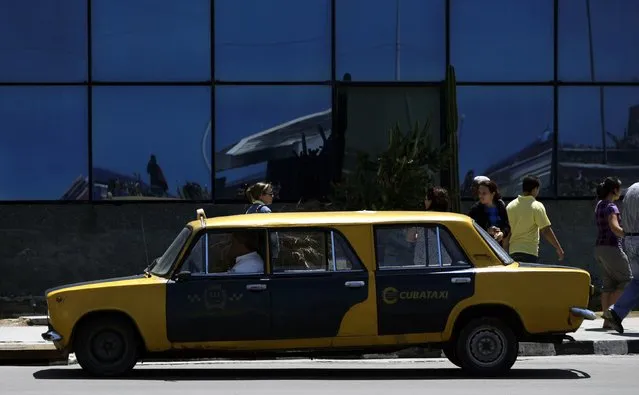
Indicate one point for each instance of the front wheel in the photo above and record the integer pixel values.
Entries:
(106, 346)
(487, 346)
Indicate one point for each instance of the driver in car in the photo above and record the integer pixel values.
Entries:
(244, 249)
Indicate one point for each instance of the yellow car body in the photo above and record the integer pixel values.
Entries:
(383, 299)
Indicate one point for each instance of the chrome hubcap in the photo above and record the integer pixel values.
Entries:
(107, 346)
(487, 346)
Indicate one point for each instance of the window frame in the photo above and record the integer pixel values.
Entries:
(427, 225)
(548, 65)
(167, 272)
(43, 77)
(217, 52)
(496, 249)
(348, 250)
(197, 236)
(96, 20)
(335, 82)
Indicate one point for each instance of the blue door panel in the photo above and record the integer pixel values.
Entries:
(210, 308)
(419, 300)
(313, 305)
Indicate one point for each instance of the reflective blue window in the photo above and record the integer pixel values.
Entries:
(43, 40)
(502, 40)
(276, 40)
(583, 162)
(278, 133)
(367, 114)
(615, 39)
(152, 142)
(391, 40)
(151, 40)
(505, 133)
(43, 143)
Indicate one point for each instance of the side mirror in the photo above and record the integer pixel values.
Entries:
(183, 276)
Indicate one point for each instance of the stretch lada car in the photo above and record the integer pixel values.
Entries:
(320, 284)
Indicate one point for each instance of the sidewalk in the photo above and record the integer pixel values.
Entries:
(24, 345)
(591, 338)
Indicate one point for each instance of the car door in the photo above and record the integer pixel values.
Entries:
(206, 302)
(422, 273)
(316, 279)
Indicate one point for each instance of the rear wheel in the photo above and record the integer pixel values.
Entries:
(487, 346)
(106, 346)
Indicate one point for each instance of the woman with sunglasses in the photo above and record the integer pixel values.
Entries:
(260, 195)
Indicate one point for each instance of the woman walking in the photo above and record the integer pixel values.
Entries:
(490, 212)
(612, 260)
(260, 195)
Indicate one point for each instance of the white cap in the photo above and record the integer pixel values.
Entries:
(479, 179)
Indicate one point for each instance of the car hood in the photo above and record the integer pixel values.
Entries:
(138, 279)
(544, 266)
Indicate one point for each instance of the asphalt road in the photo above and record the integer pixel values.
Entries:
(583, 375)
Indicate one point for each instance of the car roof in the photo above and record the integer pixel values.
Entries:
(329, 218)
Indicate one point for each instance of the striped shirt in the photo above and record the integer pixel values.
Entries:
(630, 217)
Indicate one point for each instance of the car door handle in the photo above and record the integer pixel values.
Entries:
(256, 287)
(460, 280)
(354, 284)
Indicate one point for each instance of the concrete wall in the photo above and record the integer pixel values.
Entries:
(48, 245)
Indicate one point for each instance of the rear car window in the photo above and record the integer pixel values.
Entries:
(417, 246)
(312, 250)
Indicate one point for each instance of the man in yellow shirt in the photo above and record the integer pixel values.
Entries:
(527, 218)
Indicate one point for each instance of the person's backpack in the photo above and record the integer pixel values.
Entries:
(254, 208)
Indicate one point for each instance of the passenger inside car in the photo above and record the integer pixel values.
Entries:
(244, 247)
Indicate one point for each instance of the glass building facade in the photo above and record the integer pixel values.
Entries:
(142, 100)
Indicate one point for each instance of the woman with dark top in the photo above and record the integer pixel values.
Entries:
(612, 260)
(260, 195)
(490, 212)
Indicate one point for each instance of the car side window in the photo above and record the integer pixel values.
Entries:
(312, 251)
(429, 246)
(231, 252)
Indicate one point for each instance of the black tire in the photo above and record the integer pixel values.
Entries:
(450, 351)
(106, 346)
(487, 347)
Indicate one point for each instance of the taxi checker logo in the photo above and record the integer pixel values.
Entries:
(391, 295)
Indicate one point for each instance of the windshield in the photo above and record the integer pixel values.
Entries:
(494, 245)
(166, 261)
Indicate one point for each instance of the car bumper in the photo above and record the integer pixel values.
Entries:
(52, 336)
(583, 313)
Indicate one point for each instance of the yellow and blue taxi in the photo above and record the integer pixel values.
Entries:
(320, 284)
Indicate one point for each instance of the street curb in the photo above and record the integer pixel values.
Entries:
(37, 320)
(38, 354)
(31, 355)
(582, 347)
